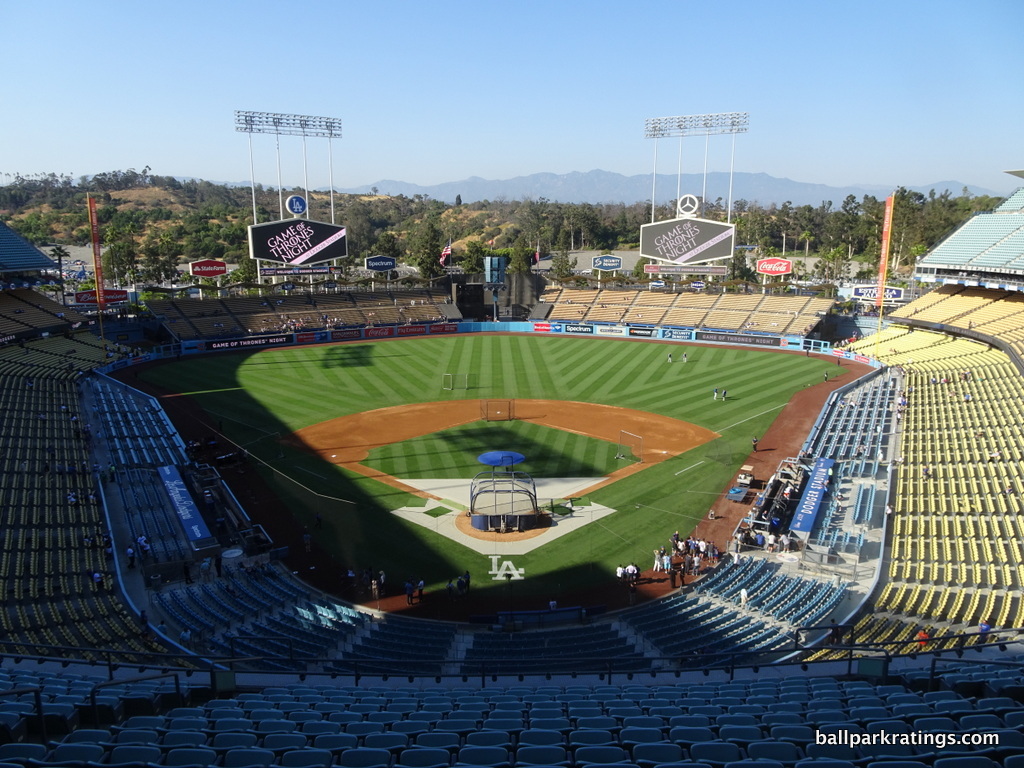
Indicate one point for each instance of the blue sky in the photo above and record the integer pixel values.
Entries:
(888, 93)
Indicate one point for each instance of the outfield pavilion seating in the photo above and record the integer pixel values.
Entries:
(972, 244)
(240, 315)
(733, 313)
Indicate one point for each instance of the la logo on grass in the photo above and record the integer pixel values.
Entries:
(507, 570)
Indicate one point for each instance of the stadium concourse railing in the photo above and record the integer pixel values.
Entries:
(871, 659)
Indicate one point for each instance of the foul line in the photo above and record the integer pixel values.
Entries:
(751, 418)
(688, 468)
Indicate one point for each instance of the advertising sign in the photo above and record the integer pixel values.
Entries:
(444, 328)
(647, 333)
(297, 242)
(774, 266)
(577, 328)
(344, 335)
(673, 333)
(870, 292)
(680, 269)
(611, 330)
(207, 268)
(257, 341)
(684, 241)
(110, 295)
(740, 338)
(277, 271)
(379, 333)
(412, 330)
(607, 263)
(380, 263)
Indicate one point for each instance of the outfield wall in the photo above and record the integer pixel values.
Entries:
(590, 330)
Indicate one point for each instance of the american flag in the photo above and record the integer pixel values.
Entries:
(446, 253)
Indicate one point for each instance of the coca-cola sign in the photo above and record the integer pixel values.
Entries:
(774, 266)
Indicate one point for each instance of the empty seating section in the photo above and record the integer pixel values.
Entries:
(233, 316)
(758, 722)
(580, 649)
(261, 612)
(973, 243)
(959, 515)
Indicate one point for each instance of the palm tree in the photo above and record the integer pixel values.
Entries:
(806, 236)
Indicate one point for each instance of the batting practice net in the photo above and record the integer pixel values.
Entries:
(453, 381)
(630, 446)
(497, 410)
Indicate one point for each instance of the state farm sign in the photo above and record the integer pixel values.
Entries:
(207, 268)
(774, 266)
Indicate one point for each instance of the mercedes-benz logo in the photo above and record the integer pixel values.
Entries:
(688, 205)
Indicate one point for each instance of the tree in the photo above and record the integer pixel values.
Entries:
(425, 249)
(562, 265)
(522, 258)
(473, 259)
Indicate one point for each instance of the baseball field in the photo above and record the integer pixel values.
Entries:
(357, 430)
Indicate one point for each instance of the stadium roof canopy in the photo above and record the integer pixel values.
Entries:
(987, 250)
(19, 255)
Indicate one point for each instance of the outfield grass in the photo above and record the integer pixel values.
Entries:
(259, 397)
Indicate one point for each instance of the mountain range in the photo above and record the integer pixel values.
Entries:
(607, 187)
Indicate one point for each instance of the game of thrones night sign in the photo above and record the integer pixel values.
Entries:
(297, 241)
(685, 239)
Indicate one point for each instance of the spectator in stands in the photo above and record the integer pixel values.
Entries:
(984, 631)
(922, 638)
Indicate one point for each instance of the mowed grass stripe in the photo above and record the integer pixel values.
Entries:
(275, 391)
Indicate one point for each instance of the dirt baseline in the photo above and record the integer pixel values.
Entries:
(348, 440)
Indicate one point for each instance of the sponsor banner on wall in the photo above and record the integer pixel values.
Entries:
(349, 333)
(813, 496)
(680, 269)
(577, 328)
(310, 336)
(611, 330)
(184, 507)
(412, 330)
(542, 328)
(647, 333)
(444, 328)
(279, 271)
(110, 296)
(679, 335)
(740, 338)
(379, 333)
(256, 341)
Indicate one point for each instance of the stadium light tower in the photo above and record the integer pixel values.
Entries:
(279, 125)
(695, 125)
